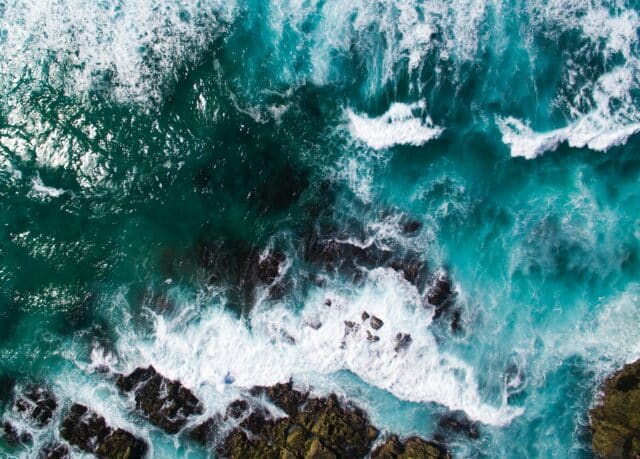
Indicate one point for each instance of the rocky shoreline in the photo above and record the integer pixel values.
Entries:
(276, 422)
(615, 419)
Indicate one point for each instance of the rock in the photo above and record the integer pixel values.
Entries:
(403, 341)
(15, 437)
(615, 419)
(456, 321)
(460, 423)
(412, 269)
(205, 432)
(313, 428)
(365, 316)
(411, 227)
(55, 451)
(37, 404)
(237, 408)
(371, 337)
(376, 323)
(89, 431)
(268, 267)
(412, 448)
(440, 294)
(283, 395)
(166, 403)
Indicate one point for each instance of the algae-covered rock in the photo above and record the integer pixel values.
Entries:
(166, 403)
(615, 420)
(412, 448)
(314, 428)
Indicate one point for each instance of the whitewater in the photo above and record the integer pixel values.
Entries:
(231, 191)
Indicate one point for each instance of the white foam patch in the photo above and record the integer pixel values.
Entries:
(213, 348)
(85, 44)
(400, 125)
(39, 187)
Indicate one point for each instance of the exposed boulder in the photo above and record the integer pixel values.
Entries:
(376, 323)
(166, 403)
(205, 432)
(412, 448)
(440, 294)
(615, 419)
(403, 341)
(412, 269)
(89, 431)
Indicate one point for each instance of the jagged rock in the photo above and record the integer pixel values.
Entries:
(403, 341)
(440, 294)
(89, 431)
(313, 428)
(460, 423)
(412, 448)
(13, 436)
(166, 403)
(55, 451)
(332, 254)
(412, 269)
(376, 323)
(615, 419)
(283, 395)
(365, 316)
(37, 404)
(237, 408)
(205, 432)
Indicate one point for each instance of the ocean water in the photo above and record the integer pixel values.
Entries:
(137, 135)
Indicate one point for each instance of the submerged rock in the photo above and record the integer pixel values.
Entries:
(412, 269)
(411, 227)
(412, 448)
(458, 422)
(166, 403)
(89, 431)
(268, 267)
(615, 419)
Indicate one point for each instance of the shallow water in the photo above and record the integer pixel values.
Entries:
(137, 136)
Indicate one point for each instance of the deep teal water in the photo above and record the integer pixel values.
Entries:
(133, 134)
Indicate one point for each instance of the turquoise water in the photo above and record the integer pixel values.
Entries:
(133, 135)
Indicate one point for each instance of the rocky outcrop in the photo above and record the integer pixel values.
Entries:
(412, 448)
(312, 428)
(37, 404)
(458, 422)
(615, 419)
(89, 432)
(166, 403)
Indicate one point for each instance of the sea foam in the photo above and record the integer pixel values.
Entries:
(397, 126)
(213, 348)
